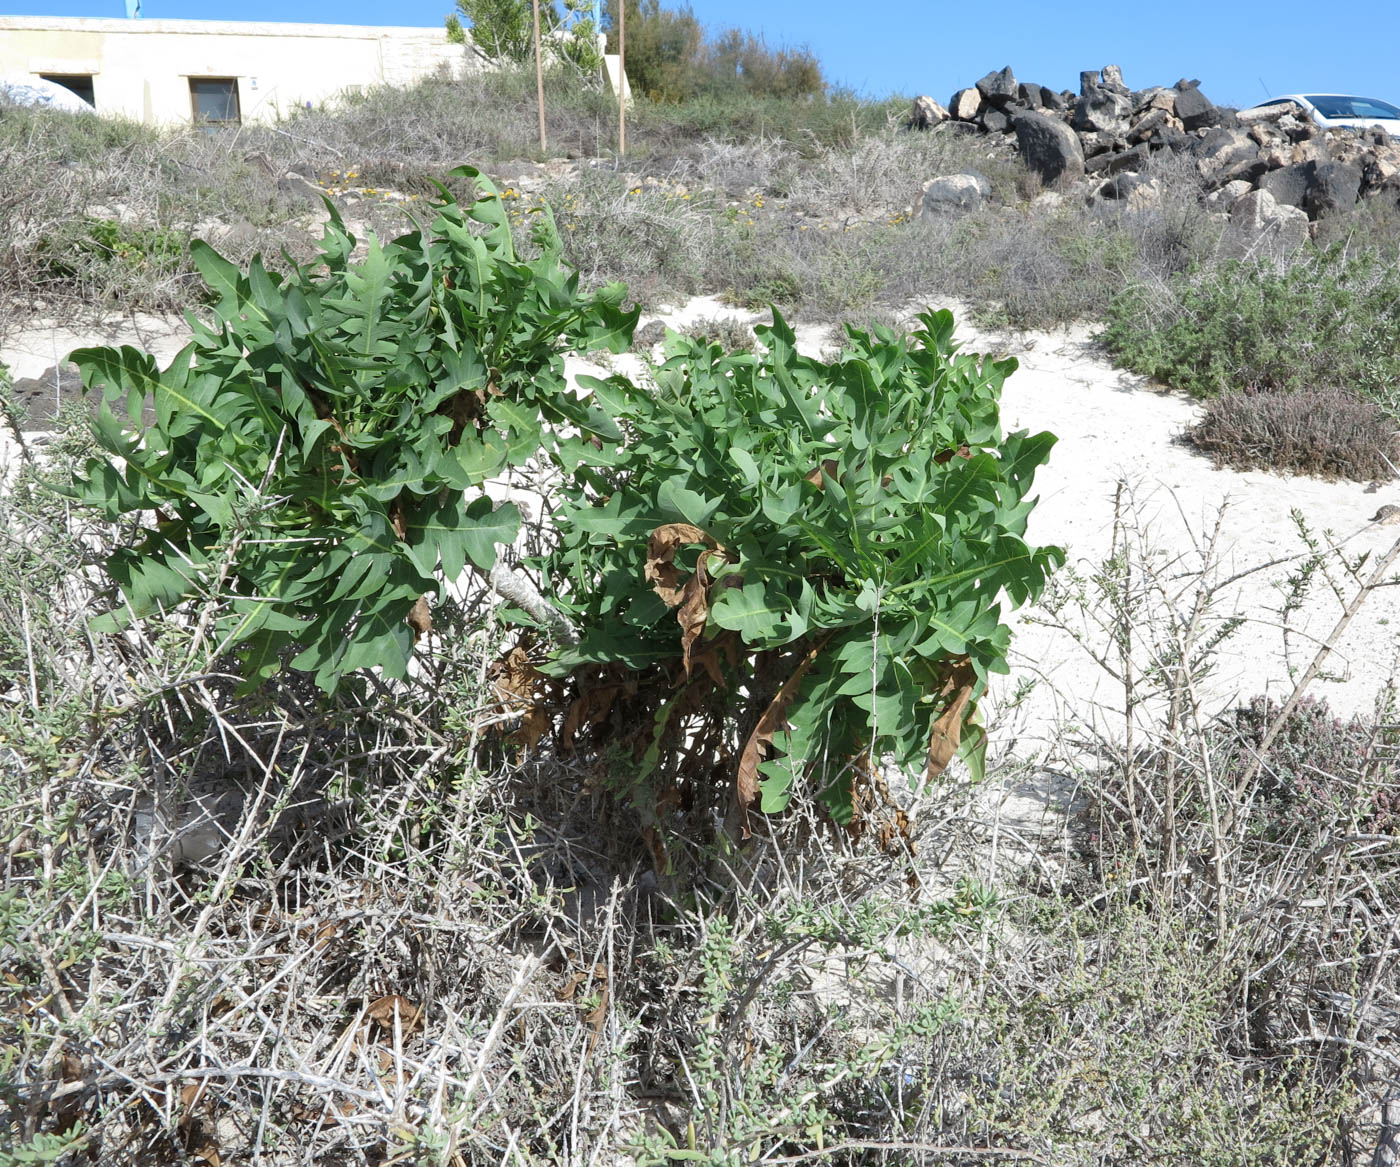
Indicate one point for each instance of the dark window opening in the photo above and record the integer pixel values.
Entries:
(79, 83)
(214, 101)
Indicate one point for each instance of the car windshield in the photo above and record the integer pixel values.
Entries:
(1353, 107)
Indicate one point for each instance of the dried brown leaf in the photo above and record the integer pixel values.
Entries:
(420, 617)
(746, 779)
(514, 676)
(531, 730)
(708, 659)
(660, 570)
(947, 730)
(821, 473)
(516, 681)
(694, 608)
(383, 1011)
(948, 455)
(590, 708)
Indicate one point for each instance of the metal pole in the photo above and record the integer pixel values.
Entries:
(621, 77)
(539, 73)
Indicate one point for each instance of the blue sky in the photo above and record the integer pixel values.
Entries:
(1240, 51)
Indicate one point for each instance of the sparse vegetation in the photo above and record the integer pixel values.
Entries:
(1328, 433)
(375, 926)
(1328, 320)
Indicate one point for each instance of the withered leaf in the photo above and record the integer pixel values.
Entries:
(589, 709)
(947, 730)
(420, 617)
(746, 779)
(948, 455)
(514, 676)
(516, 680)
(531, 730)
(383, 1011)
(821, 473)
(708, 659)
(191, 1093)
(660, 570)
(694, 608)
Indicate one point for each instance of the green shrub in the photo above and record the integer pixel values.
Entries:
(319, 451)
(1329, 320)
(796, 555)
(312, 447)
(98, 242)
(504, 31)
(670, 58)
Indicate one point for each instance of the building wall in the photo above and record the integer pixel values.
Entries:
(142, 68)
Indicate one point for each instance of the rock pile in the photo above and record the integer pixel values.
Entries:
(1292, 169)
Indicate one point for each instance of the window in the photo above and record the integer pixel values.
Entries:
(79, 83)
(214, 101)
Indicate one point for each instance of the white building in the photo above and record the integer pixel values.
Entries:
(165, 72)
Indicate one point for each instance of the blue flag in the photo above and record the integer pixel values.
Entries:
(133, 9)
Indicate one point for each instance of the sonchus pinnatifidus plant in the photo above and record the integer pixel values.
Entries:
(781, 570)
(316, 458)
(795, 571)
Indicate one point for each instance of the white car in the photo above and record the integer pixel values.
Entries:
(38, 91)
(1338, 110)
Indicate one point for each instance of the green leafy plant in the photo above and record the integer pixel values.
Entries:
(318, 451)
(800, 556)
(107, 241)
(768, 552)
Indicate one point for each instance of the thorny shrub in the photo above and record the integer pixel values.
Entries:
(1321, 772)
(1328, 433)
(1320, 769)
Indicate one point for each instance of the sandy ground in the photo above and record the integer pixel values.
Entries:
(1114, 429)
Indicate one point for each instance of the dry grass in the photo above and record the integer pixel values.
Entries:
(1326, 433)
(295, 930)
(367, 931)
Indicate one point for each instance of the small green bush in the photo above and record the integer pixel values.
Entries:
(1332, 319)
(320, 448)
(797, 555)
(671, 58)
